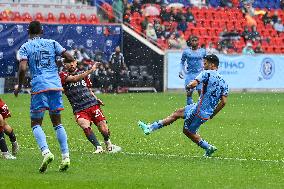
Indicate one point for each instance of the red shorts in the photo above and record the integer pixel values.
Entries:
(4, 110)
(94, 114)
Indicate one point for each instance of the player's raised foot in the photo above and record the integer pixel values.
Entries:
(48, 158)
(210, 151)
(15, 148)
(144, 127)
(99, 150)
(65, 164)
(113, 148)
(7, 155)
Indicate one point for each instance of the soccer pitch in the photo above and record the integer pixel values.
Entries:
(248, 133)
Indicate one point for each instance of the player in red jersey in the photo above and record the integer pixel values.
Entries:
(7, 129)
(85, 105)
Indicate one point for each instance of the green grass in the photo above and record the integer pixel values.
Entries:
(248, 133)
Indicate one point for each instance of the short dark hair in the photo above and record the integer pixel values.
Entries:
(35, 28)
(213, 59)
(190, 39)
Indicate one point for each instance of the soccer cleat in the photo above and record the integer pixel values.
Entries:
(113, 149)
(15, 148)
(210, 151)
(7, 155)
(99, 150)
(144, 127)
(48, 158)
(65, 164)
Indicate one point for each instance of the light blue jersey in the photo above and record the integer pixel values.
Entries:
(192, 64)
(214, 87)
(41, 56)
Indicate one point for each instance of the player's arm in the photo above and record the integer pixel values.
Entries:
(99, 100)
(21, 76)
(181, 65)
(75, 78)
(220, 106)
(192, 84)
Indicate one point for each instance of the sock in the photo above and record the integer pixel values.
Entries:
(156, 125)
(203, 144)
(11, 135)
(3, 145)
(40, 137)
(189, 100)
(62, 138)
(106, 135)
(91, 136)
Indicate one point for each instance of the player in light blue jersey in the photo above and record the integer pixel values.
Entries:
(212, 99)
(191, 65)
(46, 93)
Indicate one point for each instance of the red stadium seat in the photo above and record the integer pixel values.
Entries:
(16, 17)
(27, 17)
(4, 16)
(73, 18)
(83, 19)
(51, 18)
(62, 18)
(93, 19)
(39, 17)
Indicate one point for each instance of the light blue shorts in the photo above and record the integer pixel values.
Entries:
(191, 121)
(49, 100)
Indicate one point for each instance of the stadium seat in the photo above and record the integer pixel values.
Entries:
(27, 17)
(93, 19)
(4, 16)
(51, 18)
(83, 19)
(73, 18)
(39, 17)
(62, 18)
(16, 16)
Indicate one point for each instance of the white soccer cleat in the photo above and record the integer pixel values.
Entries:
(15, 148)
(48, 158)
(113, 149)
(7, 155)
(65, 164)
(99, 150)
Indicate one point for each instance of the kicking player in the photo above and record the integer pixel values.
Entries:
(5, 128)
(213, 98)
(191, 65)
(46, 92)
(86, 106)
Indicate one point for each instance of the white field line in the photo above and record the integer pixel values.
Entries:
(184, 156)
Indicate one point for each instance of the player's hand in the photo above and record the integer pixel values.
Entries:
(16, 90)
(180, 74)
(95, 66)
(101, 103)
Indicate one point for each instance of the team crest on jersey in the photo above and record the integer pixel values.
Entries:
(60, 29)
(267, 68)
(1, 27)
(89, 43)
(99, 30)
(10, 41)
(70, 42)
(1, 55)
(109, 43)
(20, 28)
(9, 69)
(79, 29)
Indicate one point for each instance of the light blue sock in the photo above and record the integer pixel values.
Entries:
(203, 144)
(40, 137)
(156, 125)
(189, 100)
(62, 138)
